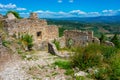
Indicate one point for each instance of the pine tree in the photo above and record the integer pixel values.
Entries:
(116, 41)
(102, 38)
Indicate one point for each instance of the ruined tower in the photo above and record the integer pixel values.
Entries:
(33, 16)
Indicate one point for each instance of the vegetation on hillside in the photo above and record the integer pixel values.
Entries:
(98, 27)
(116, 40)
(104, 59)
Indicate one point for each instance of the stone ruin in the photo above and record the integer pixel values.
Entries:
(1, 16)
(79, 38)
(33, 16)
(11, 16)
(41, 32)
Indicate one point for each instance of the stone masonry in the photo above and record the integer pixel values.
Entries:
(38, 28)
(79, 38)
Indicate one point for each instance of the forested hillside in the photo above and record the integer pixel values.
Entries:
(97, 27)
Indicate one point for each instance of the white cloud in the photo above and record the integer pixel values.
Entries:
(74, 13)
(24, 13)
(93, 14)
(110, 12)
(39, 11)
(71, 1)
(7, 6)
(10, 6)
(78, 12)
(105, 11)
(49, 14)
(21, 9)
(59, 1)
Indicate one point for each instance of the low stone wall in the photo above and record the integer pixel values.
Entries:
(52, 49)
(108, 43)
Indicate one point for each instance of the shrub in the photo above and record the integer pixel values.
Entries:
(108, 51)
(102, 38)
(70, 43)
(115, 66)
(86, 57)
(27, 40)
(103, 73)
(116, 41)
(5, 43)
(57, 44)
(105, 59)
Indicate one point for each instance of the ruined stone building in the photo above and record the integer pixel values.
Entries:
(38, 28)
(79, 38)
(43, 33)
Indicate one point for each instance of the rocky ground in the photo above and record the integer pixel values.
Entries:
(38, 66)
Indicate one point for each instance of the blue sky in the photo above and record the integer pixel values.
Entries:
(62, 8)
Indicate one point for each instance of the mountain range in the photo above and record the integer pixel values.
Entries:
(92, 19)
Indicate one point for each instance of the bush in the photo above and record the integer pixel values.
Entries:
(27, 40)
(102, 38)
(5, 43)
(70, 43)
(108, 51)
(115, 66)
(86, 57)
(105, 59)
(116, 41)
(57, 44)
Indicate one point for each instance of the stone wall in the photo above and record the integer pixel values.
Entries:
(1, 16)
(10, 16)
(38, 28)
(78, 38)
(33, 16)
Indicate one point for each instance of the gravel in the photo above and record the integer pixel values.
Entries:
(19, 69)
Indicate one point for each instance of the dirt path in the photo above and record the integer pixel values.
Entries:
(37, 66)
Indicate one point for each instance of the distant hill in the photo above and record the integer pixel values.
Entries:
(102, 24)
(92, 19)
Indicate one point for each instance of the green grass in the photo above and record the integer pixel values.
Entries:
(105, 59)
(65, 64)
(57, 44)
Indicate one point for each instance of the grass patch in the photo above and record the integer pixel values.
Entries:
(105, 59)
(69, 72)
(64, 64)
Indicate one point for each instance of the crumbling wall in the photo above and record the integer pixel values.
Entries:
(1, 16)
(78, 38)
(42, 33)
(52, 32)
(33, 16)
(11, 16)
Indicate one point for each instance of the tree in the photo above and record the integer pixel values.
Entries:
(116, 41)
(102, 38)
(16, 14)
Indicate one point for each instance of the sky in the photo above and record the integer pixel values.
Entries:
(62, 8)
